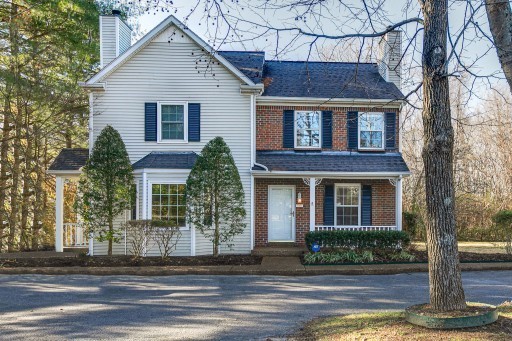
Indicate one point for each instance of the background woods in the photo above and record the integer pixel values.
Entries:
(46, 48)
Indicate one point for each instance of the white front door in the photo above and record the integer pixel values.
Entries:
(281, 213)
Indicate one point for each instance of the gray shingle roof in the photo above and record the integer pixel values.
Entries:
(313, 79)
(331, 162)
(70, 159)
(327, 80)
(167, 160)
(250, 63)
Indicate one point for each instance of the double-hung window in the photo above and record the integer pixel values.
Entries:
(168, 203)
(371, 131)
(307, 129)
(348, 204)
(172, 122)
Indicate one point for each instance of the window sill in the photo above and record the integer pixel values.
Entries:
(172, 142)
(371, 150)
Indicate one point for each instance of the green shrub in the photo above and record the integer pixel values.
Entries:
(503, 220)
(348, 256)
(413, 224)
(359, 240)
(402, 256)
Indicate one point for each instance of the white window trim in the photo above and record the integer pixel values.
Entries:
(359, 130)
(336, 186)
(150, 198)
(159, 123)
(295, 129)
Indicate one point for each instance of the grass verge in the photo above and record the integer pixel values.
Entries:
(392, 326)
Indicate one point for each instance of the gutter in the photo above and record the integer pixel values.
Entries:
(383, 103)
(383, 175)
(98, 87)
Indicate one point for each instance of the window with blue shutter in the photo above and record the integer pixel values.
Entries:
(352, 129)
(288, 127)
(329, 205)
(390, 130)
(327, 129)
(366, 205)
(194, 122)
(150, 121)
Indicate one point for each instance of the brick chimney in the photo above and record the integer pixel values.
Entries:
(390, 54)
(115, 37)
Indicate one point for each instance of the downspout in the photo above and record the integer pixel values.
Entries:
(253, 160)
(91, 140)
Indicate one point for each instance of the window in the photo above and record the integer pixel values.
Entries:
(307, 129)
(172, 122)
(133, 202)
(371, 131)
(168, 203)
(347, 205)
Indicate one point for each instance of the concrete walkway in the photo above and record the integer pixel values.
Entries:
(271, 265)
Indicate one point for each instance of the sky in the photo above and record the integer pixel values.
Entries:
(474, 49)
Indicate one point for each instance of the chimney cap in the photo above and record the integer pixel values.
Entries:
(116, 12)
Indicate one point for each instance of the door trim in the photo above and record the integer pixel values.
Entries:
(294, 237)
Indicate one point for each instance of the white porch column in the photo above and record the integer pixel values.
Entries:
(59, 213)
(312, 210)
(398, 192)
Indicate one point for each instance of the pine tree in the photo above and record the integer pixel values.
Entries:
(215, 195)
(105, 186)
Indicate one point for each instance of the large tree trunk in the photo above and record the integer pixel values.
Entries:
(499, 15)
(446, 292)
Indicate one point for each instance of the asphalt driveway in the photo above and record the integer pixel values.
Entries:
(206, 307)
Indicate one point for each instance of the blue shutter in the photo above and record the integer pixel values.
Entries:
(329, 205)
(150, 121)
(366, 205)
(288, 125)
(390, 130)
(327, 129)
(194, 122)
(352, 128)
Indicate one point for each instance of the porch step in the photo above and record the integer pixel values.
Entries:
(279, 251)
(76, 249)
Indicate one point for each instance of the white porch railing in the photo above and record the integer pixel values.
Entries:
(355, 228)
(74, 235)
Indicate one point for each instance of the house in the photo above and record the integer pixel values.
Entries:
(317, 144)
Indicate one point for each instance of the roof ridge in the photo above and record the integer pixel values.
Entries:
(318, 62)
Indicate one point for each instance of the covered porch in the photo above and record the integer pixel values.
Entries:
(69, 232)
(300, 192)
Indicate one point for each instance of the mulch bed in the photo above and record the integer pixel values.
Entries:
(472, 309)
(118, 261)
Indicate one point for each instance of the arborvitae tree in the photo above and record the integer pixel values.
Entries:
(215, 195)
(105, 186)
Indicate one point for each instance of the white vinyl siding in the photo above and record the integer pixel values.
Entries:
(125, 37)
(107, 39)
(163, 72)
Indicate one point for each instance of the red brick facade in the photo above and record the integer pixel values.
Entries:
(269, 125)
(383, 205)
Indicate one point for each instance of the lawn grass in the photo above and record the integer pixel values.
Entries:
(477, 247)
(392, 326)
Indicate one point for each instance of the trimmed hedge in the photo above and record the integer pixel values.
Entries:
(384, 240)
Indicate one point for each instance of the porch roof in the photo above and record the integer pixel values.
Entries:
(69, 160)
(331, 162)
(167, 160)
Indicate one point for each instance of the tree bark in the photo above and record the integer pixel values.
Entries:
(499, 15)
(446, 292)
